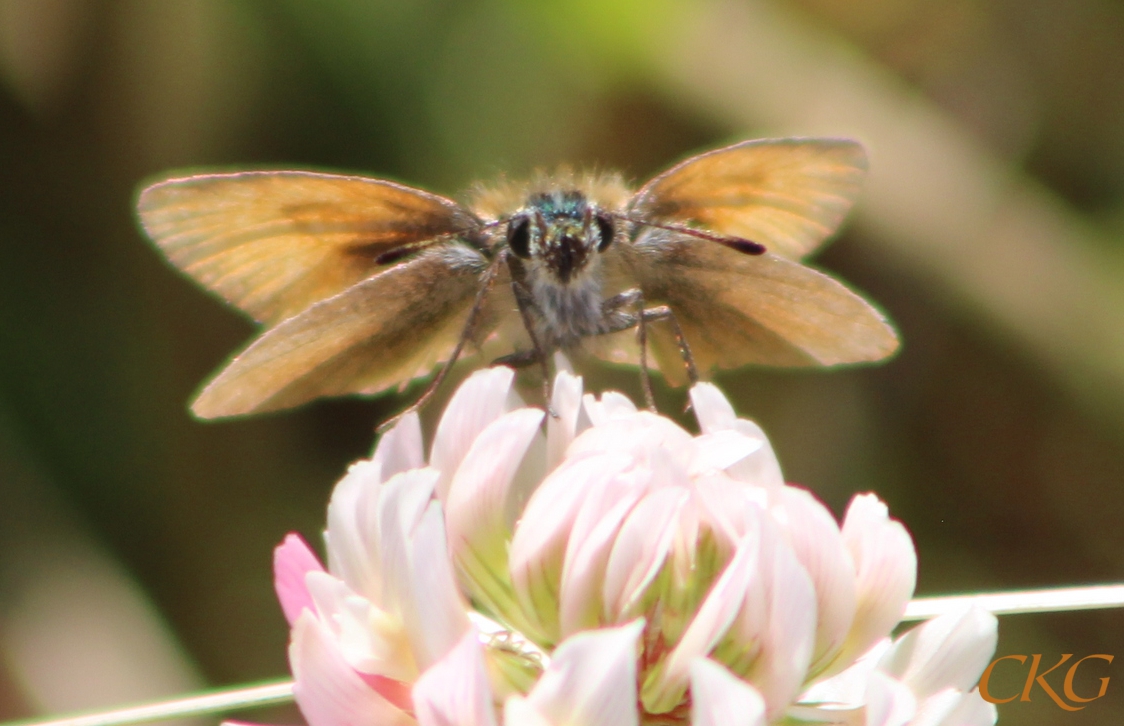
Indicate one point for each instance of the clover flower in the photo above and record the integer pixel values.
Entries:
(614, 570)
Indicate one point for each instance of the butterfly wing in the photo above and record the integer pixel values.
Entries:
(787, 194)
(387, 329)
(737, 309)
(275, 242)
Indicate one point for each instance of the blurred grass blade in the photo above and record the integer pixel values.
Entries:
(217, 701)
(1091, 597)
(1001, 603)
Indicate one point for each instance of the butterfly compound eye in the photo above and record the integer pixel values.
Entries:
(519, 237)
(606, 229)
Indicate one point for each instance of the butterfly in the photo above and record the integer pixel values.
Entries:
(364, 284)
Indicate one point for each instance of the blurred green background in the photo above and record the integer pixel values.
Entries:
(135, 542)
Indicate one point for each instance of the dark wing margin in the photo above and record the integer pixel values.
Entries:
(787, 194)
(385, 330)
(275, 242)
(737, 309)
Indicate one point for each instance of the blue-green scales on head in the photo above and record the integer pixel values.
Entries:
(365, 284)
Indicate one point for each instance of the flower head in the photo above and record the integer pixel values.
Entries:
(615, 569)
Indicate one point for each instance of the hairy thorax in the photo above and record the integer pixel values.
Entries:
(561, 227)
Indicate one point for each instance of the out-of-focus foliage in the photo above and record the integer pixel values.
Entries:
(997, 435)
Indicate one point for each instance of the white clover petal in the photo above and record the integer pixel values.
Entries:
(455, 691)
(888, 702)
(786, 597)
(951, 650)
(935, 709)
(885, 570)
(967, 709)
(814, 536)
(714, 414)
(656, 444)
(477, 497)
(640, 548)
(729, 507)
(400, 505)
(350, 553)
(539, 544)
(567, 404)
(518, 711)
(720, 450)
(712, 409)
(665, 685)
(480, 400)
(328, 691)
(370, 640)
(609, 407)
(591, 679)
(587, 553)
(847, 689)
(401, 448)
(477, 501)
(719, 698)
(436, 619)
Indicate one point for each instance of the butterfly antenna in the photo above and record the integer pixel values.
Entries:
(740, 244)
(393, 255)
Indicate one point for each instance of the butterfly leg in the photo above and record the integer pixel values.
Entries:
(663, 312)
(519, 359)
(486, 283)
(642, 341)
(618, 320)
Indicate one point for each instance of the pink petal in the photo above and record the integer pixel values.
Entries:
(591, 679)
(719, 698)
(328, 691)
(292, 560)
(454, 691)
(479, 401)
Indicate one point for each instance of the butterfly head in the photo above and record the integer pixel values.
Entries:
(561, 231)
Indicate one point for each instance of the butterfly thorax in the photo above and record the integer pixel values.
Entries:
(558, 237)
